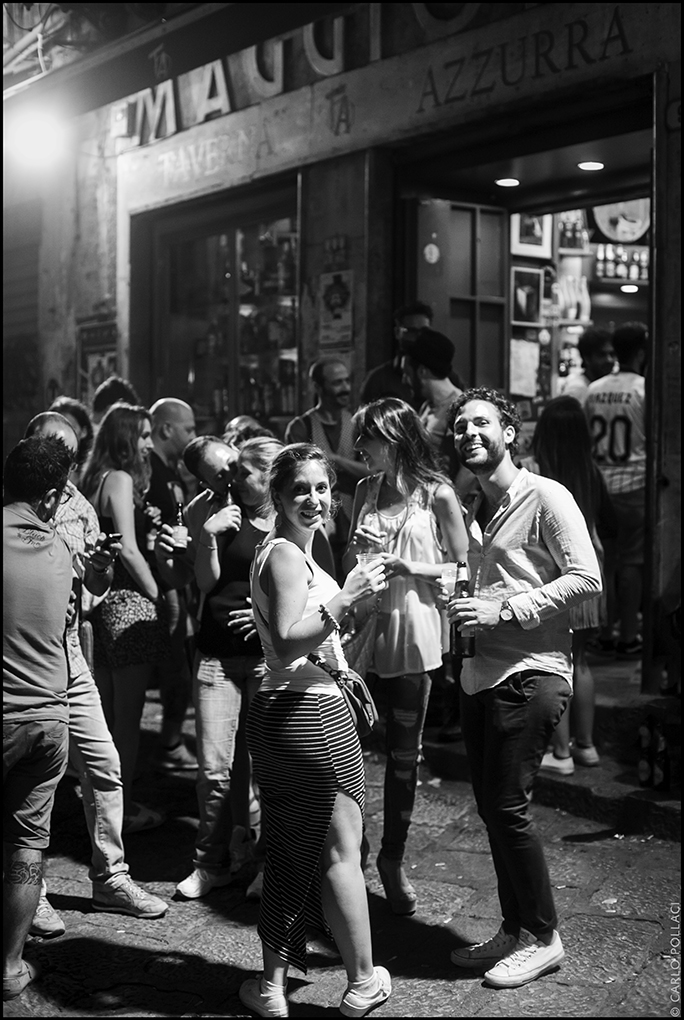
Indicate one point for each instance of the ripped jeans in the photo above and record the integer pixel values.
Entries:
(406, 698)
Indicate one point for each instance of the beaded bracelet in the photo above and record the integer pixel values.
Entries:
(328, 617)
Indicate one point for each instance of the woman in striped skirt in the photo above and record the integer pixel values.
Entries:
(305, 749)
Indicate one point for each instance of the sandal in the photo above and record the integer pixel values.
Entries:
(143, 819)
(14, 986)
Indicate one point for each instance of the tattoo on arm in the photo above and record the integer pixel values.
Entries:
(25, 873)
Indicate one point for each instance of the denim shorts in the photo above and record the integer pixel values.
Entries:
(34, 758)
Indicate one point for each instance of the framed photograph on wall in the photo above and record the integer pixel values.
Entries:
(531, 235)
(526, 296)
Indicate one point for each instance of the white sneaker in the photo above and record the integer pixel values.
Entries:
(256, 888)
(485, 954)
(200, 882)
(46, 921)
(355, 1003)
(561, 766)
(241, 848)
(263, 1003)
(528, 961)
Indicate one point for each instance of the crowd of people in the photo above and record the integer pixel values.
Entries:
(247, 574)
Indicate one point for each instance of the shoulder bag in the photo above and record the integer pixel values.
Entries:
(355, 692)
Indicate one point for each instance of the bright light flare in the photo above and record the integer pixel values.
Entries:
(590, 165)
(37, 139)
(508, 182)
(629, 288)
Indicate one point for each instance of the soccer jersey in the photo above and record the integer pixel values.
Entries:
(616, 415)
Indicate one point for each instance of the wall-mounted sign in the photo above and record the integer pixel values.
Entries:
(335, 303)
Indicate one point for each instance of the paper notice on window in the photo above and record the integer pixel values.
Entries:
(524, 367)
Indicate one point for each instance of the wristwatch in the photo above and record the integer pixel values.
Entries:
(506, 613)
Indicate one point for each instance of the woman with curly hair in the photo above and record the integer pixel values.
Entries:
(407, 512)
(130, 627)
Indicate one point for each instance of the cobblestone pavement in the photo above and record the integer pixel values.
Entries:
(617, 896)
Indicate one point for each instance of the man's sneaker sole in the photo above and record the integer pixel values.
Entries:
(104, 908)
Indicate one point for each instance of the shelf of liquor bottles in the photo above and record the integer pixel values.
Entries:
(620, 263)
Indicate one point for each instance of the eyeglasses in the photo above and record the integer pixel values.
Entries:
(65, 497)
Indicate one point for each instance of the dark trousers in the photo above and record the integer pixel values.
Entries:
(506, 730)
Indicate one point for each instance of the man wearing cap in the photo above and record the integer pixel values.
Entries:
(426, 365)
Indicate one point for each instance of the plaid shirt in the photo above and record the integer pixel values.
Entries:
(76, 522)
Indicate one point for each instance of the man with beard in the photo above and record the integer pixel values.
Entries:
(329, 426)
(532, 558)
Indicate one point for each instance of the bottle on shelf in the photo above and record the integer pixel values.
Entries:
(600, 261)
(621, 263)
(463, 640)
(577, 234)
(610, 262)
(635, 266)
(584, 301)
(644, 264)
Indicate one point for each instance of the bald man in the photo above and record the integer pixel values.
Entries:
(91, 748)
(173, 426)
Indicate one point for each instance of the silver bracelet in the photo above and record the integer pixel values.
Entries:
(328, 617)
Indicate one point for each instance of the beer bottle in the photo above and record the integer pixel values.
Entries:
(180, 532)
(462, 641)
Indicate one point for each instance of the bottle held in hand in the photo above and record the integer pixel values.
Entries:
(180, 532)
(463, 640)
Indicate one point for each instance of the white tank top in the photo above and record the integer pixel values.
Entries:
(301, 674)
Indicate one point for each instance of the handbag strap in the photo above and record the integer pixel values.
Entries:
(338, 676)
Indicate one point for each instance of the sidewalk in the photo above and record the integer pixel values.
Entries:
(609, 793)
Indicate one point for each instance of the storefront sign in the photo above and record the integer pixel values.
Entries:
(451, 81)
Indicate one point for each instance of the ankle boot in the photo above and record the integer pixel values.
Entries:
(400, 894)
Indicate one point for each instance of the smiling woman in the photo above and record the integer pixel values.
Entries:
(305, 748)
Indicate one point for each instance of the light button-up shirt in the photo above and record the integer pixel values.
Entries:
(537, 554)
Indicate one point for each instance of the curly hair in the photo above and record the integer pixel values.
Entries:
(116, 447)
(36, 465)
(394, 422)
(509, 416)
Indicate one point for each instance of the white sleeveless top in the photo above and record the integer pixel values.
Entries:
(301, 674)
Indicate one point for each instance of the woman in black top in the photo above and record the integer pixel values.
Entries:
(228, 671)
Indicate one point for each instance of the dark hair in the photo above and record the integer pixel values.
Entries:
(36, 465)
(318, 367)
(112, 390)
(116, 447)
(415, 308)
(562, 447)
(243, 427)
(394, 422)
(629, 339)
(592, 341)
(194, 451)
(79, 412)
(289, 459)
(507, 411)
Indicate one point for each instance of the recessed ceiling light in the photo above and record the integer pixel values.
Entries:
(591, 165)
(629, 288)
(508, 182)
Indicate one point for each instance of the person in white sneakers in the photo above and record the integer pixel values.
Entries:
(532, 559)
(91, 747)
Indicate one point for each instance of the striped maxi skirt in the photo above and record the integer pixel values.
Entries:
(304, 750)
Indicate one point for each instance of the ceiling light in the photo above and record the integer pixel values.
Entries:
(591, 165)
(629, 288)
(508, 182)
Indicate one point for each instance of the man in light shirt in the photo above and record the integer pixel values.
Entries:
(531, 559)
(615, 408)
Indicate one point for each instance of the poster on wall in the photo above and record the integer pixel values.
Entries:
(97, 343)
(524, 367)
(335, 308)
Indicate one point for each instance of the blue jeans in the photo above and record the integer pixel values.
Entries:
(93, 754)
(222, 691)
(506, 730)
(406, 698)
